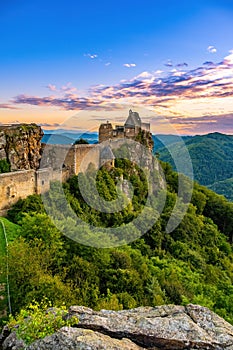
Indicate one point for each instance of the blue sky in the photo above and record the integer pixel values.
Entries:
(59, 58)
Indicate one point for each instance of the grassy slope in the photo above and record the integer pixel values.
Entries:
(12, 232)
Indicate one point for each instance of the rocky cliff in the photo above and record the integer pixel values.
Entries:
(20, 145)
(164, 327)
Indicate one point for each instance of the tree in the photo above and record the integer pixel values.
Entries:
(81, 141)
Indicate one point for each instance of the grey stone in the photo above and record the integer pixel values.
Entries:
(13, 343)
(167, 327)
(82, 339)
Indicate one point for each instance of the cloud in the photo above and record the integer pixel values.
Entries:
(209, 63)
(68, 88)
(90, 55)
(7, 106)
(107, 64)
(168, 63)
(51, 87)
(129, 65)
(182, 65)
(205, 123)
(158, 71)
(49, 125)
(229, 59)
(207, 89)
(207, 81)
(211, 49)
(144, 76)
(68, 102)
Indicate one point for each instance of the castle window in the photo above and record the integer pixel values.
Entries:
(42, 182)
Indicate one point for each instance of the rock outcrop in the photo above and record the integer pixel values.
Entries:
(20, 145)
(166, 327)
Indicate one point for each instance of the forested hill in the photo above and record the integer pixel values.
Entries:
(212, 159)
(192, 264)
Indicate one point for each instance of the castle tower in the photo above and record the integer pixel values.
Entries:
(133, 120)
(133, 124)
(107, 158)
(105, 132)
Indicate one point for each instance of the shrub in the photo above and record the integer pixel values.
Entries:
(39, 320)
(4, 166)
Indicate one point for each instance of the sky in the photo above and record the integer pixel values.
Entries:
(73, 64)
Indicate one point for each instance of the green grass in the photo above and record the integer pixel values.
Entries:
(12, 231)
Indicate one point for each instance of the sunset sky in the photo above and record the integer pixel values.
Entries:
(73, 63)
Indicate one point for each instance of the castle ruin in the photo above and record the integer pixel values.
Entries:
(133, 129)
(34, 165)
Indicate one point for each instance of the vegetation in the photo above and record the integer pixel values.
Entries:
(192, 264)
(81, 142)
(39, 320)
(5, 166)
(224, 187)
(11, 231)
(212, 160)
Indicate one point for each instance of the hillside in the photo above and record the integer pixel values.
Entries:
(212, 159)
(192, 264)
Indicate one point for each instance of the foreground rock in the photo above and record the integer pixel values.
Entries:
(85, 339)
(163, 327)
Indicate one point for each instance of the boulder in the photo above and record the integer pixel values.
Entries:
(167, 327)
(69, 338)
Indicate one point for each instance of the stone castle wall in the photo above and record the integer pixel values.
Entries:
(16, 185)
(58, 163)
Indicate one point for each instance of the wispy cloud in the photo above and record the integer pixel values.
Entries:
(91, 55)
(168, 63)
(68, 88)
(206, 123)
(182, 65)
(129, 65)
(51, 87)
(69, 102)
(7, 106)
(212, 49)
(179, 93)
(49, 125)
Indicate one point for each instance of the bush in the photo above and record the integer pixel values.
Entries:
(4, 166)
(39, 320)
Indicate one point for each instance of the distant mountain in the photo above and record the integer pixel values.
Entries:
(224, 187)
(63, 137)
(161, 140)
(212, 159)
(57, 139)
